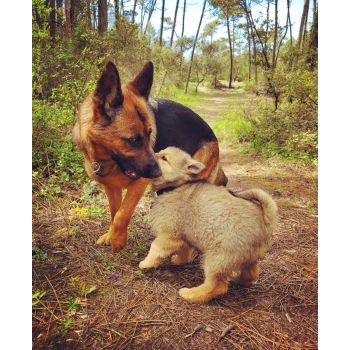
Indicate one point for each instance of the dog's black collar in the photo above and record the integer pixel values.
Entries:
(164, 190)
(171, 188)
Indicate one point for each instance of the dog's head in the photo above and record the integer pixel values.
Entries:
(177, 168)
(124, 127)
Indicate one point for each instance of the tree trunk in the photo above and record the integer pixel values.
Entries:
(73, 14)
(274, 55)
(267, 22)
(52, 20)
(231, 54)
(313, 46)
(290, 23)
(59, 7)
(303, 22)
(174, 23)
(116, 12)
(249, 52)
(68, 23)
(150, 12)
(161, 25)
(182, 34)
(102, 17)
(255, 63)
(133, 12)
(183, 20)
(233, 48)
(193, 48)
(122, 10)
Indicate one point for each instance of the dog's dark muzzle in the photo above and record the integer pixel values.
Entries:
(134, 167)
(152, 171)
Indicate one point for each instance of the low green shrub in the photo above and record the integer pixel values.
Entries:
(232, 127)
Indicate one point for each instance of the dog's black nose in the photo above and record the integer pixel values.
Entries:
(152, 171)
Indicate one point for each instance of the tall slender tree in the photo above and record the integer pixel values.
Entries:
(274, 48)
(161, 25)
(303, 23)
(183, 20)
(149, 8)
(67, 4)
(231, 51)
(102, 17)
(290, 23)
(52, 22)
(194, 47)
(133, 12)
(116, 12)
(174, 23)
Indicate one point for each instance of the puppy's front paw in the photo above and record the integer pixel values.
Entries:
(145, 265)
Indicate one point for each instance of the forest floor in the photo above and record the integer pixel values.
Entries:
(92, 298)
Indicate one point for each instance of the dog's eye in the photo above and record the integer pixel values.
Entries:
(132, 140)
(164, 158)
(150, 131)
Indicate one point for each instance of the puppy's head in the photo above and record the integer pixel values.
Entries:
(177, 168)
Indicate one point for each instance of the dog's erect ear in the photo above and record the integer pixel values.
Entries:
(144, 80)
(108, 92)
(195, 167)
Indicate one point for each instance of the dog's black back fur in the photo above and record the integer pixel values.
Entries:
(180, 127)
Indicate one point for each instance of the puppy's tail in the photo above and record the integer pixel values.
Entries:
(265, 201)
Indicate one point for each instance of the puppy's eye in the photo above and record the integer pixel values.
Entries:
(150, 131)
(132, 140)
(164, 158)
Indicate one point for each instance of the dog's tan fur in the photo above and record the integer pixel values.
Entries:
(232, 230)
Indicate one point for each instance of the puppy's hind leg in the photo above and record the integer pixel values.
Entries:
(250, 273)
(213, 286)
(162, 247)
(184, 255)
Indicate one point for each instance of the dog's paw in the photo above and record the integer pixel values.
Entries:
(187, 294)
(118, 244)
(176, 260)
(103, 240)
(194, 295)
(144, 265)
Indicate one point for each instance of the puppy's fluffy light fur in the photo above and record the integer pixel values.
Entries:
(233, 230)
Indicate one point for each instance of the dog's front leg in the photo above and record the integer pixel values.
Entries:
(117, 233)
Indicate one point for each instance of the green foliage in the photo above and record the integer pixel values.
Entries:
(87, 290)
(73, 304)
(64, 326)
(53, 151)
(38, 253)
(36, 297)
(232, 127)
(285, 131)
(177, 94)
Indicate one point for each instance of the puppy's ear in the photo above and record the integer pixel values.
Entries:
(144, 80)
(108, 92)
(195, 167)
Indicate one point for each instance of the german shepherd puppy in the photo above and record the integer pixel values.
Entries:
(233, 230)
(118, 130)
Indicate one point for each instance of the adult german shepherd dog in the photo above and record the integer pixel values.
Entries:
(119, 129)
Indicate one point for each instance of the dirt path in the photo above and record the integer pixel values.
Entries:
(220, 101)
(95, 299)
